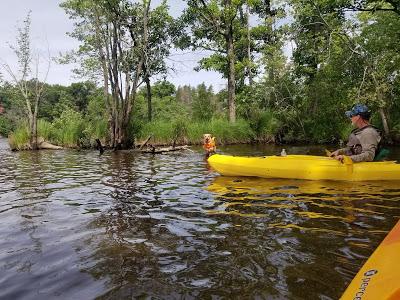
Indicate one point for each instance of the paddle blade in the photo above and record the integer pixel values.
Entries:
(328, 153)
(347, 160)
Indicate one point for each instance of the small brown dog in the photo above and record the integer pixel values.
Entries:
(209, 144)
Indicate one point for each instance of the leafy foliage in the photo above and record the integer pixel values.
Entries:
(343, 52)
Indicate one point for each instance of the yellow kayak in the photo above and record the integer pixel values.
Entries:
(379, 278)
(304, 167)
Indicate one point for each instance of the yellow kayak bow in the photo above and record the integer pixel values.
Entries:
(379, 278)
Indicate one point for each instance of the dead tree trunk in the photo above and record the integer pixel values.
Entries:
(231, 74)
(148, 94)
(249, 64)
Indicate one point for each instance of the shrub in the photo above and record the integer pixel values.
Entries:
(6, 126)
(265, 125)
(179, 131)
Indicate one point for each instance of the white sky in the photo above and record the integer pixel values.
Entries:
(49, 25)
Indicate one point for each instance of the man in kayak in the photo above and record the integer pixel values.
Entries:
(363, 140)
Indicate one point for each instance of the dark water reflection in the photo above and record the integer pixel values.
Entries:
(76, 225)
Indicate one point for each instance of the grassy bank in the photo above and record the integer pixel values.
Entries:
(185, 132)
(72, 131)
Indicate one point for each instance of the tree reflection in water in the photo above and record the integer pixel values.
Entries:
(126, 225)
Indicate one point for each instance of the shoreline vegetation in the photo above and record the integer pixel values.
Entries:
(163, 133)
(270, 96)
(75, 116)
(78, 122)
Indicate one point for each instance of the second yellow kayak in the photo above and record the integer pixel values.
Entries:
(303, 167)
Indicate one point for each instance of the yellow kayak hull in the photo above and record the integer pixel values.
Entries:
(303, 167)
(379, 278)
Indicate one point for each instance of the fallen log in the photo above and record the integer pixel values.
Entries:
(46, 145)
(145, 142)
(42, 144)
(166, 149)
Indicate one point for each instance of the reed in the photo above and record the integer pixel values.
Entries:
(68, 129)
(19, 139)
(185, 131)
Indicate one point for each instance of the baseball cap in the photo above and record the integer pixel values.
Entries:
(358, 109)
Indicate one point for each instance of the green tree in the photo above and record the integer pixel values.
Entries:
(215, 26)
(162, 30)
(203, 103)
(373, 5)
(26, 79)
(114, 35)
(163, 89)
(80, 93)
(379, 80)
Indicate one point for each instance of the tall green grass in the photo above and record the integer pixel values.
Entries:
(72, 129)
(68, 129)
(19, 139)
(226, 132)
(95, 129)
(185, 131)
(45, 130)
(161, 132)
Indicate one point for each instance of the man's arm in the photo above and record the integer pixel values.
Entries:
(369, 140)
(341, 151)
(367, 154)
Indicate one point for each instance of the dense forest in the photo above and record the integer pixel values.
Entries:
(342, 53)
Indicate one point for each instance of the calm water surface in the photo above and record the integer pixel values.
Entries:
(76, 225)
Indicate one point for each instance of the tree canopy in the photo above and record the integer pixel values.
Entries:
(292, 67)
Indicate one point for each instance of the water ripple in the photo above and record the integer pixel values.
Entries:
(127, 225)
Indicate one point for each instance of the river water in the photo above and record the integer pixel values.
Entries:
(77, 225)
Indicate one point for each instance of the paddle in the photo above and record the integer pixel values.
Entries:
(347, 160)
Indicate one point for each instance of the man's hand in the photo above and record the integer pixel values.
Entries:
(339, 158)
(335, 153)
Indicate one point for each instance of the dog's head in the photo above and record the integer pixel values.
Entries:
(207, 138)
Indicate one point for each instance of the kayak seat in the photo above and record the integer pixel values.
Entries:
(381, 154)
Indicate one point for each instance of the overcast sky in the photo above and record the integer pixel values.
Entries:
(49, 25)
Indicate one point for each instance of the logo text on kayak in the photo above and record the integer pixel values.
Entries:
(364, 283)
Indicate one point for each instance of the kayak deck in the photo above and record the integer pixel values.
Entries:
(303, 167)
(379, 278)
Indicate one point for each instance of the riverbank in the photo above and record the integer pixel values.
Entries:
(163, 133)
(166, 133)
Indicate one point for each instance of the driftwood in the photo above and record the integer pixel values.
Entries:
(145, 142)
(46, 145)
(42, 144)
(154, 150)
